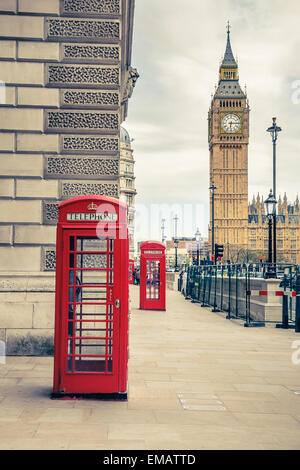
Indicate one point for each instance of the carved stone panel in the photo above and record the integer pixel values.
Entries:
(72, 121)
(90, 52)
(89, 99)
(48, 258)
(82, 29)
(63, 75)
(91, 144)
(50, 212)
(80, 167)
(82, 188)
(92, 7)
(92, 261)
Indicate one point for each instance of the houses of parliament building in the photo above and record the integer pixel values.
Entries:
(239, 225)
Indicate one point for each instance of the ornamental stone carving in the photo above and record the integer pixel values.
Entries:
(85, 75)
(91, 144)
(92, 52)
(131, 79)
(80, 98)
(48, 259)
(50, 212)
(88, 121)
(95, 7)
(81, 166)
(58, 28)
(70, 189)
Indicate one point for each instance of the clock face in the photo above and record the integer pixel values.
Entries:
(231, 123)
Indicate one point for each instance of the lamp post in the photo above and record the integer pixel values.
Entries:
(163, 237)
(176, 243)
(198, 238)
(274, 130)
(270, 204)
(213, 188)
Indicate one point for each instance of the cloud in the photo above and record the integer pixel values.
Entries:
(177, 50)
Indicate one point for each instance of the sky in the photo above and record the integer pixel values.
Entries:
(177, 49)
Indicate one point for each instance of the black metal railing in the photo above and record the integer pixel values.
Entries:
(243, 292)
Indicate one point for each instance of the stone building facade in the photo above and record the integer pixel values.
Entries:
(187, 250)
(287, 229)
(127, 184)
(240, 226)
(66, 78)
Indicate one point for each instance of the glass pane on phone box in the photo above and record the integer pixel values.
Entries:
(92, 277)
(93, 293)
(90, 328)
(86, 310)
(91, 261)
(91, 244)
(90, 347)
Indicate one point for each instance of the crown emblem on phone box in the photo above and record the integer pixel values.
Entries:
(92, 206)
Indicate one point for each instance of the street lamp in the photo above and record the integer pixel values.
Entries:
(198, 238)
(274, 130)
(270, 204)
(163, 237)
(176, 243)
(213, 188)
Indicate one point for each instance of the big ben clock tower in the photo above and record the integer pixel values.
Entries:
(228, 137)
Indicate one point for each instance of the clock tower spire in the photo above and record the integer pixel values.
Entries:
(228, 137)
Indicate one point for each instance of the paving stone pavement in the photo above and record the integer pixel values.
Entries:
(196, 381)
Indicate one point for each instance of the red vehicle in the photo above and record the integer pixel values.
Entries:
(131, 270)
(153, 276)
(91, 306)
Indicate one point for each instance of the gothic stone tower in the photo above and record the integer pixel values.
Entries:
(228, 136)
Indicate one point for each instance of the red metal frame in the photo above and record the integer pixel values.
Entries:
(131, 269)
(91, 302)
(153, 276)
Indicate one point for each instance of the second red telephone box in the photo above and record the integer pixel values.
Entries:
(91, 311)
(153, 276)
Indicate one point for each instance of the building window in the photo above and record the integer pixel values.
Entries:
(253, 244)
(129, 200)
(279, 244)
(293, 244)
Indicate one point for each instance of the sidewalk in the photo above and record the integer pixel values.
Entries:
(196, 381)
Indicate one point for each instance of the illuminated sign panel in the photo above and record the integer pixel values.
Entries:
(91, 217)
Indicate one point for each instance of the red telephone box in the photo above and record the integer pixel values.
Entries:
(153, 276)
(91, 306)
(131, 269)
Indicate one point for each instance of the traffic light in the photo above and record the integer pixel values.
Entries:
(219, 251)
